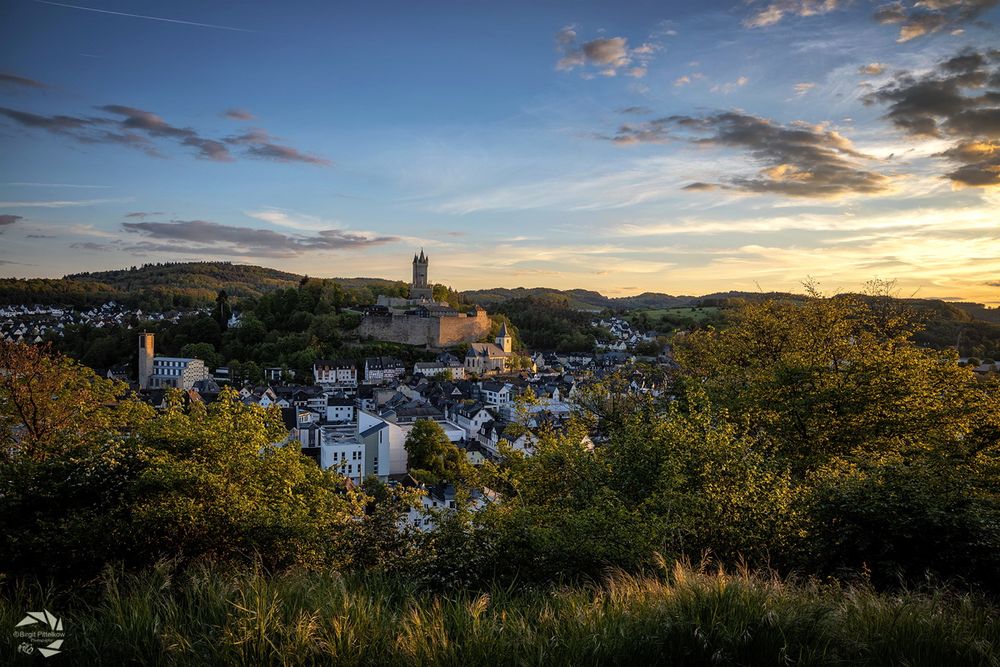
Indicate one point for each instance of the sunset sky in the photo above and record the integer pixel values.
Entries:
(623, 146)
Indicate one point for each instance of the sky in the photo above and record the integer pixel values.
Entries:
(623, 147)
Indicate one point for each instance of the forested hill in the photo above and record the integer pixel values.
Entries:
(163, 286)
(579, 299)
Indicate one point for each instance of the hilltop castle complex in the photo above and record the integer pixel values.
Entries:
(419, 320)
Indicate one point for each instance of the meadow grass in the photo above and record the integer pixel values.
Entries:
(683, 616)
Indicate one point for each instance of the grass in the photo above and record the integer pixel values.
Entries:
(682, 617)
(687, 312)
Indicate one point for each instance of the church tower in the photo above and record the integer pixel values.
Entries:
(503, 340)
(419, 289)
(145, 359)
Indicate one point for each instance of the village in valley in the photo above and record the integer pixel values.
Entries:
(353, 416)
(455, 365)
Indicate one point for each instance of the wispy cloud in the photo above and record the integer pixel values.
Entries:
(238, 114)
(196, 236)
(140, 129)
(14, 80)
(57, 185)
(57, 203)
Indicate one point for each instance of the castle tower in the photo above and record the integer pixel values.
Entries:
(419, 289)
(145, 359)
(503, 340)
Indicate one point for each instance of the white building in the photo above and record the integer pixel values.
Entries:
(337, 373)
(177, 372)
(339, 409)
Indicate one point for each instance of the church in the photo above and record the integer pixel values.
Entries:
(487, 358)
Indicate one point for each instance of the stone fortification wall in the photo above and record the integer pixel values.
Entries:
(398, 329)
(425, 331)
(455, 330)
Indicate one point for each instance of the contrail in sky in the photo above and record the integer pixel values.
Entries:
(143, 16)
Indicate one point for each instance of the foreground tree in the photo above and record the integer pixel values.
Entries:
(91, 477)
(431, 457)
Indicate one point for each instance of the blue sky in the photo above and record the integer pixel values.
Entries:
(623, 147)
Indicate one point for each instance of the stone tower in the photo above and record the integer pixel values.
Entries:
(503, 340)
(145, 359)
(419, 289)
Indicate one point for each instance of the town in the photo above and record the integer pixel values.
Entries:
(353, 416)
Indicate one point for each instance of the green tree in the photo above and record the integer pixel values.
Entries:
(431, 457)
(222, 312)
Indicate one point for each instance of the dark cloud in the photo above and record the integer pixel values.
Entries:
(142, 214)
(260, 144)
(233, 240)
(927, 16)
(39, 236)
(799, 159)
(153, 125)
(959, 99)
(238, 114)
(638, 111)
(137, 128)
(993, 283)
(698, 186)
(9, 219)
(94, 247)
(14, 80)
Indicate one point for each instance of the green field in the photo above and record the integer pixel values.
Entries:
(654, 315)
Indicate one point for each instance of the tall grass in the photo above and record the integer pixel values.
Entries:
(684, 616)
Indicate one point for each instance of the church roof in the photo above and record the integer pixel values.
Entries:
(503, 330)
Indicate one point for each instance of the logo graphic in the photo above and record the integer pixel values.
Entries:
(47, 640)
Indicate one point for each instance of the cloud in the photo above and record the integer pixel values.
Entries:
(55, 204)
(776, 11)
(58, 185)
(153, 125)
(238, 114)
(799, 159)
(137, 128)
(142, 214)
(178, 235)
(14, 80)
(872, 69)
(959, 99)
(260, 144)
(726, 88)
(7, 219)
(607, 55)
(639, 111)
(92, 246)
(803, 88)
(927, 16)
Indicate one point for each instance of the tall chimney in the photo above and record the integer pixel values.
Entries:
(145, 359)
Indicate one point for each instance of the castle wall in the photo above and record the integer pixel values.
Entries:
(425, 331)
(398, 329)
(454, 330)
